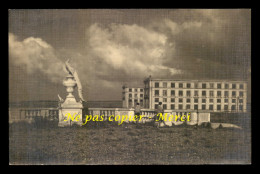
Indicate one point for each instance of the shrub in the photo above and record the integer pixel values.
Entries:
(206, 125)
(220, 126)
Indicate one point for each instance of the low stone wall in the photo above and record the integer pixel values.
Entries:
(28, 114)
(203, 117)
(14, 115)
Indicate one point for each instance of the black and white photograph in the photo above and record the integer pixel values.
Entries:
(129, 86)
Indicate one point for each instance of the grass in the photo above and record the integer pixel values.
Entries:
(108, 143)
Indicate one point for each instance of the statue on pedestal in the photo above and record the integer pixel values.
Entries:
(74, 73)
(70, 106)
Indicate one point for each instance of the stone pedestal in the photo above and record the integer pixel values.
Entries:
(70, 111)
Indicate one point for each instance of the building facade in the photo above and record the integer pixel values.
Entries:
(131, 96)
(208, 95)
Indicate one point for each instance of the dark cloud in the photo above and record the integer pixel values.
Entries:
(110, 48)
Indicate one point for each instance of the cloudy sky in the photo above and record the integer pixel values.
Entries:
(110, 48)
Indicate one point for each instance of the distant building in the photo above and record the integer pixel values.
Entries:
(131, 96)
(208, 95)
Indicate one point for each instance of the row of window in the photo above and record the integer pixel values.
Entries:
(135, 90)
(203, 107)
(196, 93)
(204, 85)
(188, 100)
(135, 100)
(136, 95)
(130, 104)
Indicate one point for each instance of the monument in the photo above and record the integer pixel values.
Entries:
(70, 111)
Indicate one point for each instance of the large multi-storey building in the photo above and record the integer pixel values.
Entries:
(213, 96)
(131, 96)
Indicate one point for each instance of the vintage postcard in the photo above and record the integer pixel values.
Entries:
(129, 86)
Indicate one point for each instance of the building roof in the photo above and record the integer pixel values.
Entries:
(204, 80)
(126, 86)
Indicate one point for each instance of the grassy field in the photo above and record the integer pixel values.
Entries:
(128, 144)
